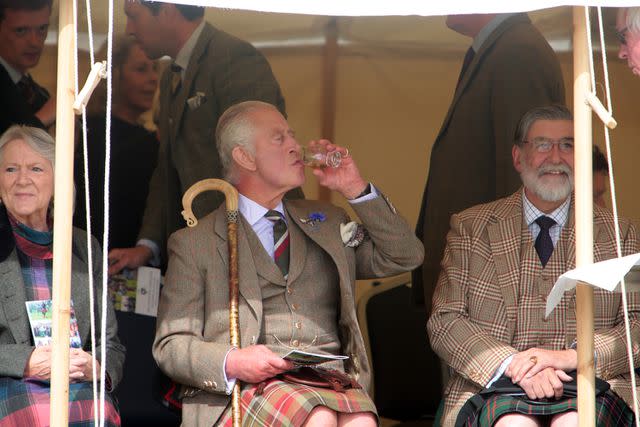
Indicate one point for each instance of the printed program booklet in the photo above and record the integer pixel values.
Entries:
(304, 358)
(40, 317)
(136, 291)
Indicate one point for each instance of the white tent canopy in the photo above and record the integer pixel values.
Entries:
(398, 7)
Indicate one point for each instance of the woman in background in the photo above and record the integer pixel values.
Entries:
(134, 149)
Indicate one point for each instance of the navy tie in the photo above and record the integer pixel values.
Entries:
(544, 244)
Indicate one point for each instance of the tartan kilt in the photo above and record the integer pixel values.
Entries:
(283, 404)
(610, 410)
(25, 402)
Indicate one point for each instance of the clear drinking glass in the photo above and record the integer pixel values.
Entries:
(318, 157)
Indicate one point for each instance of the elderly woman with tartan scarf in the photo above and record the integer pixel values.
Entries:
(26, 238)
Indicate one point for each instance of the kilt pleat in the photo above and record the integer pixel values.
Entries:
(285, 404)
(610, 410)
(26, 403)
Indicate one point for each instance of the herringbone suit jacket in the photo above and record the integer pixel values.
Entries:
(514, 71)
(222, 71)
(192, 336)
(477, 303)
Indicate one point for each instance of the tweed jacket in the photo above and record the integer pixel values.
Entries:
(15, 333)
(222, 71)
(514, 71)
(192, 337)
(475, 305)
(13, 108)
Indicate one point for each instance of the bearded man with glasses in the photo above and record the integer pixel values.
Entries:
(511, 365)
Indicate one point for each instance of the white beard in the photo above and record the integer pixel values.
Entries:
(550, 188)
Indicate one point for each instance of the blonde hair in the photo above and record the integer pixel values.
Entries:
(122, 46)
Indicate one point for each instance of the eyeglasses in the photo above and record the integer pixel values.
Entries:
(621, 35)
(544, 145)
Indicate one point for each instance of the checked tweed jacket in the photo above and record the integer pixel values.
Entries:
(489, 301)
(192, 337)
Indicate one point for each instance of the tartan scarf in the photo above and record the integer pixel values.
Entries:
(35, 254)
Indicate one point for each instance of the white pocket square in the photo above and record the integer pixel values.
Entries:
(196, 100)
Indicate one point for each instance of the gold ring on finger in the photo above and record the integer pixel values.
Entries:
(533, 359)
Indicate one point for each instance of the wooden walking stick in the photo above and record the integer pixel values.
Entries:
(231, 196)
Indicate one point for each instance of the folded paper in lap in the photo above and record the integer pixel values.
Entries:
(304, 358)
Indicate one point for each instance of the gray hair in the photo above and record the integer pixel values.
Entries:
(547, 112)
(633, 19)
(39, 140)
(235, 129)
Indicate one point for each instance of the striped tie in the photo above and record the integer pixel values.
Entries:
(280, 241)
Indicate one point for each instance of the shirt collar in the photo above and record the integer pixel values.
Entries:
(531, 213)
(14, 74)
(184, 55)
(253, 211)
(486, 31)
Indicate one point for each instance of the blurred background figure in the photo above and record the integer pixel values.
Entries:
(27, 164)
(134, 149)
(508, 69)
(24, 25)
(628, 32)
(600, 176)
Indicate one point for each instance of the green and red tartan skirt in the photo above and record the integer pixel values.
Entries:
(26, 403)
(610, 410)
(284, 404)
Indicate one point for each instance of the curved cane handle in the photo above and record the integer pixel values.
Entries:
(230, 194)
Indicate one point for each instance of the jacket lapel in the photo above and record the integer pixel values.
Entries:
(192, 69)
(323, 233)
(80, 297)
(248, 285)
(13, 298)
(298, 250)
(504, 238)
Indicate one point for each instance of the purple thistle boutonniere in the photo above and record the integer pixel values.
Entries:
(314, 218)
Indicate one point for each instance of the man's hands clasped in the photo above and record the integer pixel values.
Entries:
(541, 373)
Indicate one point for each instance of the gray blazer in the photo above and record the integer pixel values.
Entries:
(192, 335)
(15, 334)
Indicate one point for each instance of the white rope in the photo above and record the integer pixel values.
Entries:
(105, 235)
(614, 204)
(96, 397)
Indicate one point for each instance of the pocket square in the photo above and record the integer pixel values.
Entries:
(196, 100)
(353, 234)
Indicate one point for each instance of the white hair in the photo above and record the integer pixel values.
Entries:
(633, 19)
(236, 129)
(39, 140)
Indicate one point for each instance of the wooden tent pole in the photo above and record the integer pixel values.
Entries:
(329, 71)
(63, 207)
(583, 218)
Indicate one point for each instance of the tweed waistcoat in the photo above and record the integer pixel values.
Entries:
(300, 314)
(536, 281)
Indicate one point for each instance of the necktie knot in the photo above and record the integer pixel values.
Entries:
(545, 222)
(273, 215)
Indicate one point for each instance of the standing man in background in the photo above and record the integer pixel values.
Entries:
(211, 70)
(509, 69)
(23, 29)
